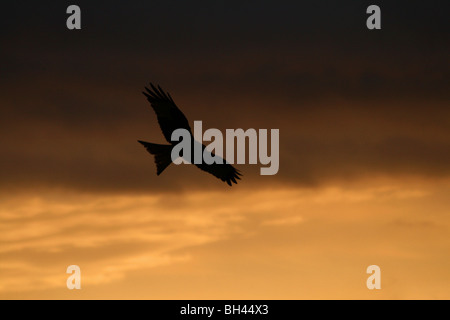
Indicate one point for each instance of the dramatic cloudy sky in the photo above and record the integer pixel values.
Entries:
(364, 124)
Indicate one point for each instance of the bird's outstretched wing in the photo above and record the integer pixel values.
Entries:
(169, 116)
(225, 172)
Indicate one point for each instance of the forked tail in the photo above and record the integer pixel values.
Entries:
(162, 153)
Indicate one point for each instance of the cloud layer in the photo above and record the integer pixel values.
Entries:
(205, 237)
(348, 102)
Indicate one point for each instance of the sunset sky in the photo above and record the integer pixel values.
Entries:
(364, 175)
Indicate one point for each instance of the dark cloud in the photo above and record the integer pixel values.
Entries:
(349, 102)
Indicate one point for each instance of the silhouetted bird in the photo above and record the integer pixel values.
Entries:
(171, 118)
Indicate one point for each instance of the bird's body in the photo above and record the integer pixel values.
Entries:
(170, 118)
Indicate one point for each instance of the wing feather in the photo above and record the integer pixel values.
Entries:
(169, 116)
(225, 172)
